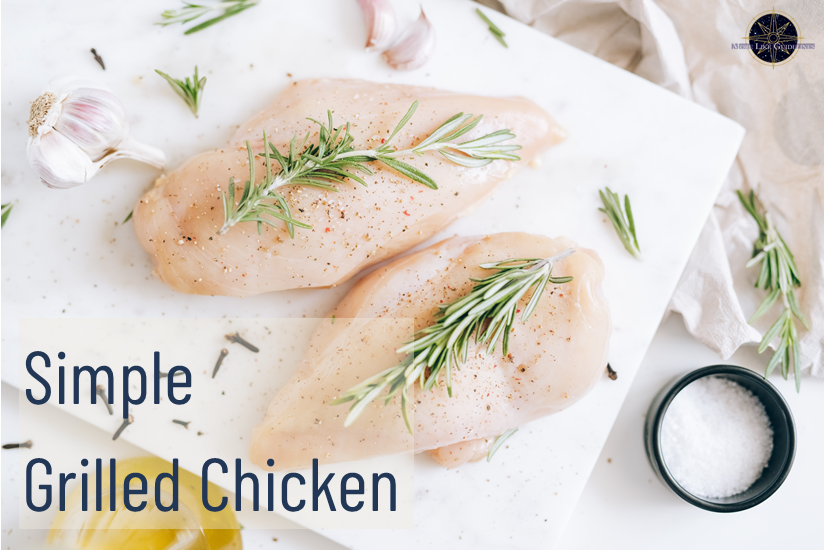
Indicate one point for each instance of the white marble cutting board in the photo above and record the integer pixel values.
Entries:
(66, 253)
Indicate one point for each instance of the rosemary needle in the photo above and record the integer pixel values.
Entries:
(5, 210)
(485, 315)
(192, 12)
(623, 222)
(328, 162)
(189, 91)
(494, 30)
(778, 275)
(500, 441)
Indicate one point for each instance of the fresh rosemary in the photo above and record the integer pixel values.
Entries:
(779, 276)
(192, 11)
(128, 218)
(494, 30)
(500, 441)
(623, 222)
(189, 91)
(328, 161)
(485, 315)
(5, 210)
(255, 203)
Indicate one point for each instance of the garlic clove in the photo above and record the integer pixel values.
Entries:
(414, 48)
(94, 120)
(380, 23)
(58, 162)
(77, 127)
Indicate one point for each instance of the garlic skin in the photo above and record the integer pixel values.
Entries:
(59, 162)
(75, 129)
(381, 24)
(414, 48)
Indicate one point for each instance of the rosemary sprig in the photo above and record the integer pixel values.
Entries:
(494, 30)
(189, 91)
(778, 275)
(5, 210)
(192, 11)
(328, 161)
(485, 315)
(252, 206)
(128, 218)
(623, 222)
(500, 441)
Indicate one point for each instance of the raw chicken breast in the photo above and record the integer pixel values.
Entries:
(555, 358)
(176, 222)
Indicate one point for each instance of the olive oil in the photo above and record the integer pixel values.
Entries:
(192, 527)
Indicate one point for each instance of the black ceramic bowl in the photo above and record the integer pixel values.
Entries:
(780, 417)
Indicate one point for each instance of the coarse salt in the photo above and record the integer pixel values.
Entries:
(716, 438)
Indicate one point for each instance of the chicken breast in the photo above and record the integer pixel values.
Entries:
(555, 358)
(176, 222)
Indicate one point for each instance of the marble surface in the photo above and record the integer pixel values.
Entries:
(66, 254)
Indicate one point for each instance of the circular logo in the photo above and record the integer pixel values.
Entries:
(773, 38)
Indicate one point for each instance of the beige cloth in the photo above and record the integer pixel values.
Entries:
(686, 47)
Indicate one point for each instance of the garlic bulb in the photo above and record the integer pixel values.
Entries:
(414, 48)
(77, 127)
(380, 23)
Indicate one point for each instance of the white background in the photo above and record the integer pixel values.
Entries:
(624, 505)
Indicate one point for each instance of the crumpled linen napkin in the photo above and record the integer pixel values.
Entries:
(686, 47)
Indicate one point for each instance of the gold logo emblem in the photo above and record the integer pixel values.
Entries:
(773, 38)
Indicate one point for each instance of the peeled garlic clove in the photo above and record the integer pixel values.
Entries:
(414, 48)
(380, 23)
(77, 127)
(60, 163)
